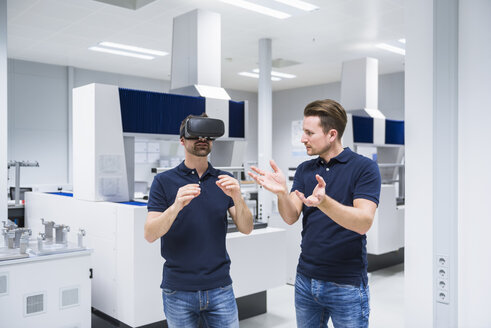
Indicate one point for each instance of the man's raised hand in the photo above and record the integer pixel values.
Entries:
(273, 181)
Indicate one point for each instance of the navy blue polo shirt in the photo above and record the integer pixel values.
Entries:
(194, 247)
(329, 251)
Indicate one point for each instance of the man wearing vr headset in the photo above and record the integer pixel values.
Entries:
(187, 210)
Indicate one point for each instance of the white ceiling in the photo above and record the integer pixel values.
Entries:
(61, 31)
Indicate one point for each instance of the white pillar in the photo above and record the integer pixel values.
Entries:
(474, 213)
(418, 253)
(265, 123)
(3, 110)
(448, 74)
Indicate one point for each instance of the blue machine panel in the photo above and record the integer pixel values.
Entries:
(154, 112)
(236, 119)
(394, 132)
(362, 129)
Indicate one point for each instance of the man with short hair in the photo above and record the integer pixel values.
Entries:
(337, 193)
(187, 210)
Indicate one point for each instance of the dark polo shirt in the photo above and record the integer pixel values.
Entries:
(329, 251)
(194, 247)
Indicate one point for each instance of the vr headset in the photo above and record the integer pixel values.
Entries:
(202, 127)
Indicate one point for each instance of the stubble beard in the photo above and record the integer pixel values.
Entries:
(200, 150)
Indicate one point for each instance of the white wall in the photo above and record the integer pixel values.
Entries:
(40, 114)
(3, 106)
(288, 106)
(39, 124)
(474, 213)
(38, 121)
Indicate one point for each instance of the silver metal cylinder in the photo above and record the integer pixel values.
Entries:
(11, 239)
(64, 235)
(48, 229)
(80, 235)
(5, 237)
(40, 243)
(24, 243)
(59, 233)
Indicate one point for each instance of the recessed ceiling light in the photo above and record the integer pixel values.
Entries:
(402, 41)
(390, 48)
(278, 74)
(302, 5)
(133, 48)
(256, 76)
(121, 53)
(257, 8)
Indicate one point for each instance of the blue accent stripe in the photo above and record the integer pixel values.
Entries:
(236, 119)
(394, 132)
(362, 129)
(158, 113)
(67, 194)
(134, 203)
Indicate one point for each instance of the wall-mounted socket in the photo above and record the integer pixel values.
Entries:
(442, 260)
(442, 288)
(442, 297)
(443, 284)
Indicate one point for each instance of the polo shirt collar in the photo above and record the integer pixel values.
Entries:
(343, 157)
(210, 170)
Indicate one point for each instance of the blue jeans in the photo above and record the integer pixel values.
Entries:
(317, 300)
(212, 308)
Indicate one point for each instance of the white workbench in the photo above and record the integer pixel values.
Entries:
(128, 270)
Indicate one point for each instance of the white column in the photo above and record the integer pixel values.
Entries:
(265, 123)
(474, 212)
(418, 253)
(3, 110)
(448, 74)
(70, 85)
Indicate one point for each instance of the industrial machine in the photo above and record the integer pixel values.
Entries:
(44, 282)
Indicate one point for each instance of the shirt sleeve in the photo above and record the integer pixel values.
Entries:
(298, 183)
(368, 184)
(157, 202)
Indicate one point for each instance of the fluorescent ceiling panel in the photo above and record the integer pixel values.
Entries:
(121, 53)
(390, 48)
(302, 5)
(256, 76)
(402, 41)
(212, 92)
(278, 74)
(257, 8)
(133, 48)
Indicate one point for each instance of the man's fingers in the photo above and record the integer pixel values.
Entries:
(257, 170)
(188, 192)
(255, 177)
(321, 181)
(274, 166)
(300, 195)
(191, 185)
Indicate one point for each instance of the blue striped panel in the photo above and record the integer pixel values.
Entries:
(134, 203)
(362, 129)
(236, 119)
(394, 132)
(66, 194)
(154, 112)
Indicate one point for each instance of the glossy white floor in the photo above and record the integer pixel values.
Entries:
(386, 302)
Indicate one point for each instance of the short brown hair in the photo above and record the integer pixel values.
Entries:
(181, 128)
(331, 114)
